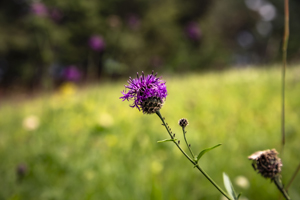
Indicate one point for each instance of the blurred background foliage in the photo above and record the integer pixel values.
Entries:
(44, 43)
(89, 145)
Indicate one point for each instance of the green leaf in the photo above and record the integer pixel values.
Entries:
(204, 151)
(229, 187)
(166, 140)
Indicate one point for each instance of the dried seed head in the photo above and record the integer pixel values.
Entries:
(183, 122)
(266, 163)
(151, 105)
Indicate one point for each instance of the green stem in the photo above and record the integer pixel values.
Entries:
(278, 183)
(187, 144)
(192, 161)
(284, 57)
(164, 123)
(293, 177)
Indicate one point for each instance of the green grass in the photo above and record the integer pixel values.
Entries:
(91, 145)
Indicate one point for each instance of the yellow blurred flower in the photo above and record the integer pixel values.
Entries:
(67, 89)
(156, 167)
(105, 120)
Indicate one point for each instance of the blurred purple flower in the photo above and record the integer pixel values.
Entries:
(71, 73)
(56, 15)
(39, 9)
(133, 22)
(96, 43)
(193, 31)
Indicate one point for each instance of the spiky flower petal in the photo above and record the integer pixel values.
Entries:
(148, 93)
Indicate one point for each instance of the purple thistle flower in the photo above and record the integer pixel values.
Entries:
(39, 9)
(71, 73)
(148, 92)
(193, 31)
(56, 15)
(133, 22)
(96, 43)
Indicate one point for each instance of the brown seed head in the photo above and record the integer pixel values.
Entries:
(183, 122)
(266, 163)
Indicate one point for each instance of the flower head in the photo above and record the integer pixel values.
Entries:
(183, 122)
(71, 73)
(193, 31)
(96, 43)
(266, 163)
(56, 15)
(133, 22)
(39, 9)
(31, 122)
(147, 92)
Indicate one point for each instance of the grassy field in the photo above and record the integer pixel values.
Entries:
(88, 144)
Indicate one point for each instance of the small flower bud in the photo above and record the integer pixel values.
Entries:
(266, 163)
(183, 122)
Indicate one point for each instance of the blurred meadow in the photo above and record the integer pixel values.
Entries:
(88, 144)
(65, 134)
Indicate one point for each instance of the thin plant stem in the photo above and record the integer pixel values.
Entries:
(192, 161)
(187, 144)
(284, 57)
(279, 185)
(293, 177)
(168, 130)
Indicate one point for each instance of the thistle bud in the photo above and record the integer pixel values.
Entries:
(183, 122)
(266, 163)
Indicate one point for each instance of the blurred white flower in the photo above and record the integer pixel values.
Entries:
(267, 12)
(242, 182)
(31, 122)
